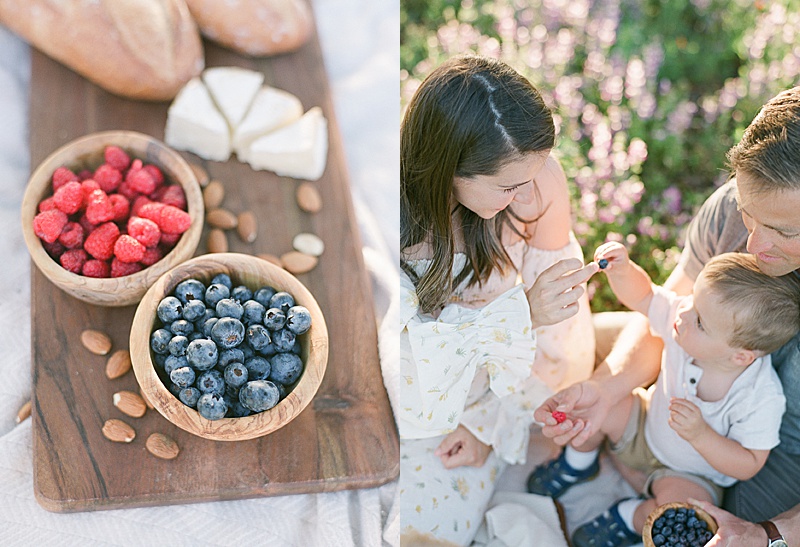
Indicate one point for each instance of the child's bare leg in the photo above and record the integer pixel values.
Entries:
(668, 490)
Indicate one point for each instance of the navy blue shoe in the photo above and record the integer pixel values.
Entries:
(556, 477)
(607, 530)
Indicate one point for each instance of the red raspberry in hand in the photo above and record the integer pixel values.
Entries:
(559, 416)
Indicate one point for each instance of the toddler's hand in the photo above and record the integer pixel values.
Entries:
(613, 255)
(686, 419)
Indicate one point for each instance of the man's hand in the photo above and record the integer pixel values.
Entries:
(585, 407)
(462, 448)
(686, 419)
(732, 531)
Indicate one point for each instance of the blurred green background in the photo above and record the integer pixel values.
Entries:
(648, 97)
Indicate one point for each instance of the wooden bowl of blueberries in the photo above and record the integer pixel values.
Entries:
(676, 524)
(229, 346)
(107, 214)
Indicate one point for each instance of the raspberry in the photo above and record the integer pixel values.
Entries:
(98, 207)
(174, 220)
(47, 203)
(137, 204)
(141, 181)
(126, 190)
(169, 240)
(152, 255)
(121, 207)
(100, 243)
(69, 198)
(120, 269)
(73, 260)
(96, 268)
(171, 195)
(559, 416)
(128, 249)
(61, 176)
(71, 236)
(47, 225)
(116, 157)
(155, 172)
(108, 177)
(144, 230)
(151, 211)
(54, 249)
(84, 175)
(88, 186)
(86, 225)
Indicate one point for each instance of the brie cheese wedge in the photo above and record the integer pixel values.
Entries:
(272, 109)
(194, 124)
(232, 89)
(298, 150)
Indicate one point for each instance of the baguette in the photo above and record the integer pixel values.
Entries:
(141, 49)
(254, 27)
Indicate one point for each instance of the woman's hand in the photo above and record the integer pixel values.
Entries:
(584, 405)
(462, 448)
(732, 531)
(555, 293)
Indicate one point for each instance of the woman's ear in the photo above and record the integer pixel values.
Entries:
(745, 357)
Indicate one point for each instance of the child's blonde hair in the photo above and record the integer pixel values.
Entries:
(765, 309)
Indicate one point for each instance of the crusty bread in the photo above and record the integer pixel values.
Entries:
(143, 49)
(254, 27)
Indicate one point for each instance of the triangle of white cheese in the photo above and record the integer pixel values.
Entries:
(271, 109)
(298, 150)
(233, 89)
(194, 124)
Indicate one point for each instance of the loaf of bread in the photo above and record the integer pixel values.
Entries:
(142, 49)
(254, 27)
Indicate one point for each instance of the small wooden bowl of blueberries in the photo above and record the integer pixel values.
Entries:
(229, 346)
(678, 524)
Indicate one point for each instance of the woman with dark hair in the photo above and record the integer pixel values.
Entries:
(492, 281)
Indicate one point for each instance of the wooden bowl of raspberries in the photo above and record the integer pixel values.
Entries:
(678, 524)
(229, 346)
(107, 214)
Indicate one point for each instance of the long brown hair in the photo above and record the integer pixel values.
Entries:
(471, 116)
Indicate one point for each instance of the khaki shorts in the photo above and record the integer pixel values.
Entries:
(632, 450)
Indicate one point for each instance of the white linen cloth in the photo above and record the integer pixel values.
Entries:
(360, 43)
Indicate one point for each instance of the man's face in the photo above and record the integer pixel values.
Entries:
(773, 222)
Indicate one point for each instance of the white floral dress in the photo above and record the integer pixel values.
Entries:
(478, 364)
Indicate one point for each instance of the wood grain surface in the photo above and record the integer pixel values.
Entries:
(346, 438)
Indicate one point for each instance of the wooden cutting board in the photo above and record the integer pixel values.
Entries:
(345, 439)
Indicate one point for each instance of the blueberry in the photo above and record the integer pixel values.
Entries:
(177, 345)
(228, 356)
(228, 307)
(182, 377)
(297, 348)
(216, 292)
(190, 289)
(259, 395)
(658, 524)
(241, 293)
(235, 374)
(603, 263)
(283, 340)
(195, 336)
(286, 368)
(181, 326)
(212, 406)
(248, 351)
(159, 341)
(263, 295)
(680, 516)
(223, 279)
(202, 354)
(659, 540)
(268, 350)
(282, 300)
(257, 337)
(237, 409)
(669, 513)
(227, 332)
(211, 381)
(189, 396)
(281, 389)
(194, 310)
(169, 309)
(208, 325)
(274, 319)
(160, 359)
(258, 368)
(253, 312)
(172, 362)
(298, 319)
(667, 530)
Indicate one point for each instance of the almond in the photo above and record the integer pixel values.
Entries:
(248, 226)
(24, 412)
(201, 174)
(161, 446)
(129, 403)
(308, 198)
(118, 431)
(222, 219)
(213, 194)
(309, 244)
(95, 341)
(271, 258)
(217, 241)
(118, 364)
(297, 262)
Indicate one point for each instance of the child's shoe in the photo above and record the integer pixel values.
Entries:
(607, 530)
(556, 477)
